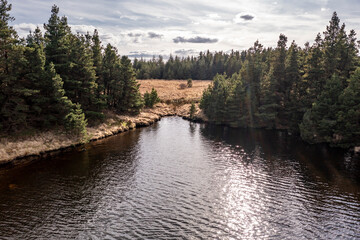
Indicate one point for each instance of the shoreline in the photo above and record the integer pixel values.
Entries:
(23, 151)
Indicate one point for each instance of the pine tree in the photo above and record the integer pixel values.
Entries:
(112, 85)
(296, 106)
(314, 71)
(81, 74)
(319, 123)
(348, 116)
(131, 97)
(332, 56)
(13, 108)
(151, 98)
(340, 50)
(8, 37)
(57, 43)
(49, 106)
(97, 58)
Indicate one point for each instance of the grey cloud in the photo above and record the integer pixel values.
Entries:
(194, 40)
(154, 35)
(185, 52)
(105, 36)
(134, 34)
(28, 29)
(247, 17)
(139, 54)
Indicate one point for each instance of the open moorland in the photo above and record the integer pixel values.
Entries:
(170, 91)
(41, 144)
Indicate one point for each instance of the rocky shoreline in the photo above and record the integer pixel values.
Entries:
(21, 151)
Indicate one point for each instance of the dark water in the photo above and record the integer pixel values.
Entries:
(179, 180)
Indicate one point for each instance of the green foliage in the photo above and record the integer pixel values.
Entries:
(150, 99)
(215, 99)
(321, 118)
(189, 83)
(348, 116)
(313, 91)
(75, 122)
(206, 66)
(131, 98)
(49, 80)
(192, 110)
(52, 79)
(334, 117)
(94, 115)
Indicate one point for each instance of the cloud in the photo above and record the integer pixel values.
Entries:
(242, 17)
(83, 29)
(247, 17)
(154, 35)
(227, 24)
(23, 29)
(141, 54)
(194, 40)
(135, 34)
(186, 52)
(214, 16)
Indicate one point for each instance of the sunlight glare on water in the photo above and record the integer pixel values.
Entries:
(180, 180)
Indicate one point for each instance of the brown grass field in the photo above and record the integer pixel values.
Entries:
(170, 91)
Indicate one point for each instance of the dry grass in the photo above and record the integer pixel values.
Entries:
(40, 142)
(12, 147)
(170, 91)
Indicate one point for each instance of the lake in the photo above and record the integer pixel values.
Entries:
(183, 180)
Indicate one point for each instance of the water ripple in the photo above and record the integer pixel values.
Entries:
(186, 182)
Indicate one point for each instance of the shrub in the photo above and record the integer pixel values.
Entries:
(183, 86)
(75, 121)
(151, 99)
(189, 83)
(91, 115)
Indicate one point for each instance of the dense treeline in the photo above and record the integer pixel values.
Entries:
(203, 67)
(314, 91)
(60, 78)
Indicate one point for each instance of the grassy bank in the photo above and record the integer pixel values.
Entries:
(16, 150)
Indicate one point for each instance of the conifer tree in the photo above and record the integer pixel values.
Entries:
(131, 97)
(296, 106)
(57, 43)
(112, 86)
(12, 106)
(314, 71)
(348, 116)
(319, 123)
(82, 74)
(97, 58)
(49, 105)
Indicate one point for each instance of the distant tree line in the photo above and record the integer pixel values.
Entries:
(203, 67)
(59, 78)
(314, 91)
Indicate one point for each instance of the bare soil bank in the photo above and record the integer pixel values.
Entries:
(16, 151)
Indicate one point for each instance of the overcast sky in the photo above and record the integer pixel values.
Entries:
(186, 27)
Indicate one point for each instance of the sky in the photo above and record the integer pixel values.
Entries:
(186, 27)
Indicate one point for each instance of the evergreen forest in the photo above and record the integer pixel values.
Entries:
(313, 91)
(58, 78)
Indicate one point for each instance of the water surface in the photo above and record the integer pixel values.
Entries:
(180, 180)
